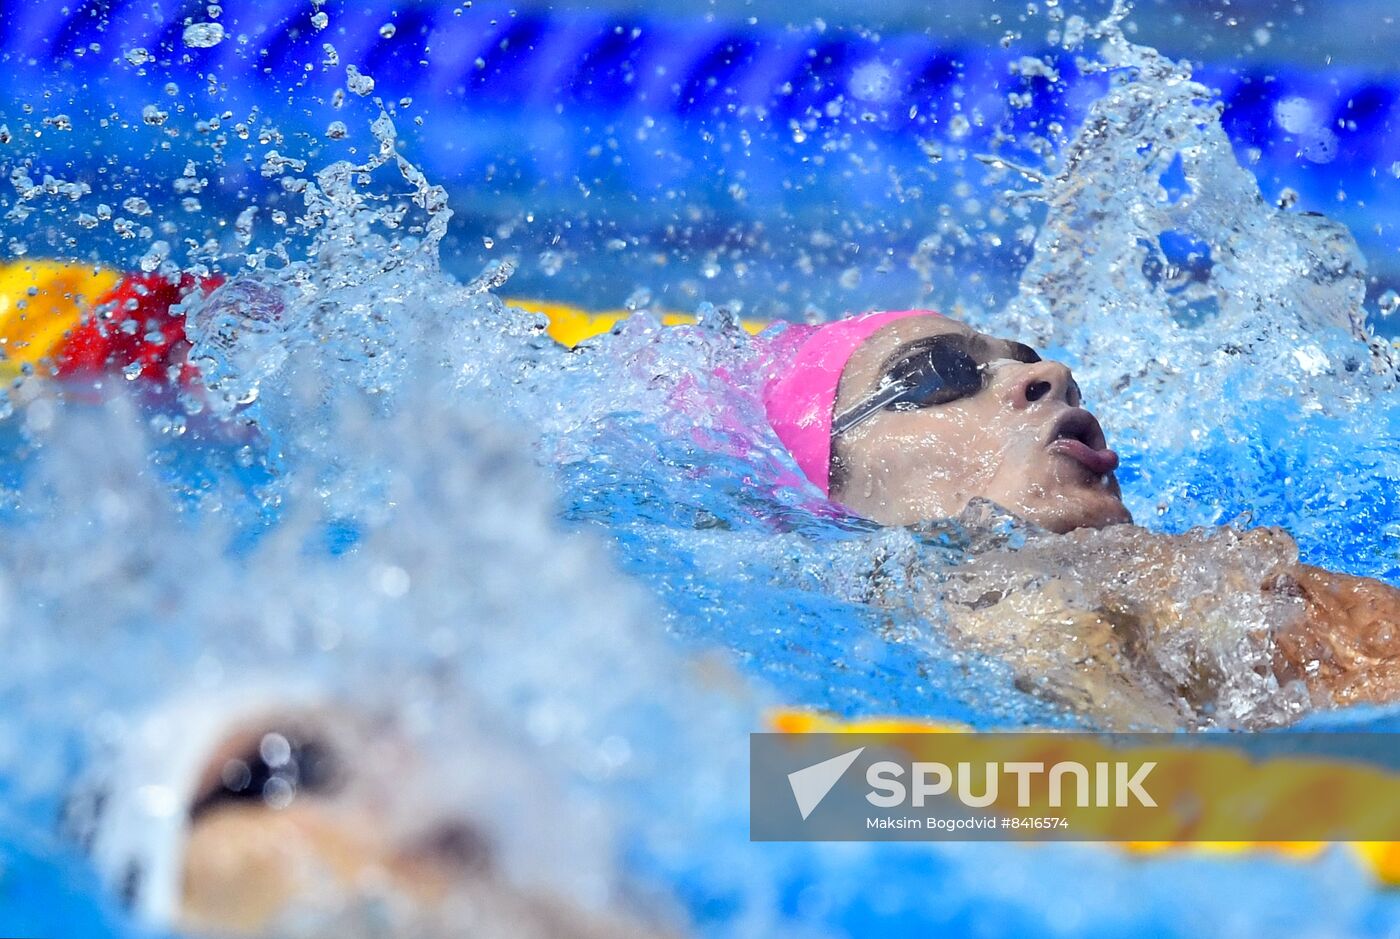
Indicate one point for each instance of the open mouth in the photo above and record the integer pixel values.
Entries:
(1076, 434)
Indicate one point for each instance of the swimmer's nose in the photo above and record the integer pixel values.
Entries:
(1043, 381)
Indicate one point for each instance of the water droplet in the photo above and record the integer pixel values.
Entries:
(236, 775)
(551, 262)
(357, 81)
(387, 30)
(873, 81)
(278, 793)
(1389, 302)
(155, 257)
(275, 164)
(204, 35)
(275, 750)
(394, 581)
(1296, 115)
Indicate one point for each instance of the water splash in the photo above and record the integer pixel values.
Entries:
(368, 522)
(1162, 270)
(659, 437)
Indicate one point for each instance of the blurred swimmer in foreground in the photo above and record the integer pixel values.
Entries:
(910, 417)
(272, 809)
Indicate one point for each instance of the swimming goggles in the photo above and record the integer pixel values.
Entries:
(933, 371)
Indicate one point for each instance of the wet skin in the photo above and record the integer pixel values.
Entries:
(1024, 441)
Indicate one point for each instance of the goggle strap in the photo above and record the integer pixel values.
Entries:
(867, 409)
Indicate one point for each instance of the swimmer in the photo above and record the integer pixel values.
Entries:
(910, 417)
(272, 809)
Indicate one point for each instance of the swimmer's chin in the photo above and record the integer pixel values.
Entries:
(1062, 510)
(1088, 510)
(1075, 498)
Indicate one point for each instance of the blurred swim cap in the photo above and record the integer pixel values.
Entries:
(807, 366)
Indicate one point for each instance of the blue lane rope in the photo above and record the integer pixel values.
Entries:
(489, 57)
(729, 100)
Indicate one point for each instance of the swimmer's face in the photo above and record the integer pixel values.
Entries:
(355, 848)
(316, 838)
(1023, 441)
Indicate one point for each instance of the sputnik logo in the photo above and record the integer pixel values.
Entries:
(811, 784)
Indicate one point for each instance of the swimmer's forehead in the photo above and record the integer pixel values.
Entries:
(890, 342)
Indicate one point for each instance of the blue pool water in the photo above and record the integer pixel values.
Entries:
(397, 485)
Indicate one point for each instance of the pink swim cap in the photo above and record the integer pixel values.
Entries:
(808, 362)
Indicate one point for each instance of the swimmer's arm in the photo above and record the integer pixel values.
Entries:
(1344, 644)
(1348, 644)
